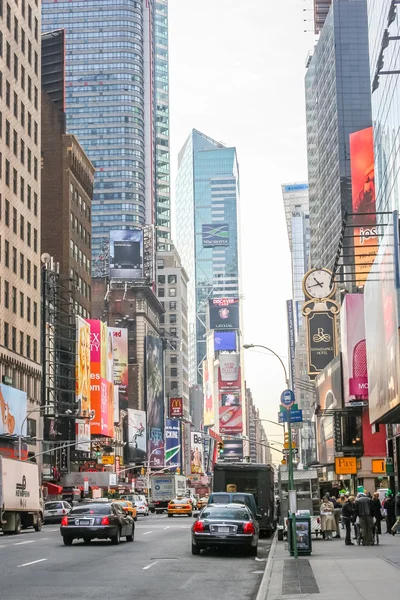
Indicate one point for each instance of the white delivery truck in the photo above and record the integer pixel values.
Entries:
(164, 488)
(21, 502)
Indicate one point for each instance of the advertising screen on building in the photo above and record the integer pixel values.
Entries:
(101, 389)
(82, 377)
(215, 235)
(382, 335)
(13, 406)
(120, 348)
(363, 202)
(126, 254)
(224, 313)
(229, 367)
(186, 448)
(321, 340)
(175, 407)
(173, 446)
(155, 400)
(137, 435)
(224, 341)
(208, 395)
(328, 386)
(233, 451)
(82, 435)
(354, 349)
(197, 454)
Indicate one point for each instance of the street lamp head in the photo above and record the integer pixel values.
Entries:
(247, 346)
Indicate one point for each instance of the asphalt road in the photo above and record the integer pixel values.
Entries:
(159, 564)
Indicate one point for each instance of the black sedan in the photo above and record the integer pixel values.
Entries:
(225, 525)
(102, 521)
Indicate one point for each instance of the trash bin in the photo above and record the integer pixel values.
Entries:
(303, 536)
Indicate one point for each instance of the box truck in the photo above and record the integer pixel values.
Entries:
(164, 488)
(21, 501)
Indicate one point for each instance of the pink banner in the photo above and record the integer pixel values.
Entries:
(354, 354)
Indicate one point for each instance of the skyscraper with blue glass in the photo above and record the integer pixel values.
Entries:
(117, 105)
(207, 232)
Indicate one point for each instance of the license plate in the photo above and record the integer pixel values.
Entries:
(84, 522)
(223, 529)
(52, 512)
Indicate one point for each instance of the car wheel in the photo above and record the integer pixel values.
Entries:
(170, 516)
(87, 540)
(190, 514)
(67, 540)
(253, 551)
(38, 525)
(195, 549)
(116, 538)
(129, 538)
(18, 526)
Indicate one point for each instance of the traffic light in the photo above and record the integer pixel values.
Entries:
(97, 450)
(220, 447)
(142, 471)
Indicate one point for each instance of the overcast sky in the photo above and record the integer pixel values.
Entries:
(237, 74)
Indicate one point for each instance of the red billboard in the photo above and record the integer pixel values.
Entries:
(175, 407)
(230, 401)
(363, 202)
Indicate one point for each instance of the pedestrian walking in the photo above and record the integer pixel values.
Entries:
(347, 518)
(397, 513)
(328, 523)
(337, 511)
(388, 505)
(363, 509)
(377, 508)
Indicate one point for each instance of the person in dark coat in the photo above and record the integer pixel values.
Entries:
(396, 525)
(388, 505)
(377, 509)
(347, 518)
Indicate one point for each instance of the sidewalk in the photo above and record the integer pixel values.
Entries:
(336, 571)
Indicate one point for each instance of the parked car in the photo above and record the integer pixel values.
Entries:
(180, 506)
(54, 511)
(142, 508)
(105, 520)
(236, 498)
(225, 525)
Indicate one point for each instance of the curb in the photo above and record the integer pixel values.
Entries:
(263, 589)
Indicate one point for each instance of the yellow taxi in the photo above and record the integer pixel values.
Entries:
(180, 506)
(128, 507)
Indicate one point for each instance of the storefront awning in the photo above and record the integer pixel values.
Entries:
(53, 488)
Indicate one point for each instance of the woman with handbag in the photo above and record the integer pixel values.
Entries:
(328, 523)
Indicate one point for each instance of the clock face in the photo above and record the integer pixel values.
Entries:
(317, 284)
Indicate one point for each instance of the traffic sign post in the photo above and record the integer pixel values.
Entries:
(288, 400)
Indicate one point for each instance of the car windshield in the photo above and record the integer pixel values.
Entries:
(52, 505)
(234, 514)
(221, 499)
(91, 509)
(180, 501)
(139, 502)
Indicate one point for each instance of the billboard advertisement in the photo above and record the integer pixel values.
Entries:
(126, 253)
(137, 435)
(233, 451)
(224, 340)
(382, 335)
(328, 386)
(82, 435)
(101, 389)
(186, 443)
(224, 313)
(292, 342)
(354, 349)
(197, 454)
(120, 350)
(82, 375)
(209, 447)
(229, 367)
(155, 400)
(215, 235)
(321, 340)
(208, 396)
(363, 202)
(175, 407)
(13, 405)
(173, 446)
(230, 415)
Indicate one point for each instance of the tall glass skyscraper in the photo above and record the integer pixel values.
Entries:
(117, 105)
(338, 103)
(207, 202)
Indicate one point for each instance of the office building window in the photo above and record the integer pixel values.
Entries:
(7, 253)
(6, 294)
(172, 318)
(21, 342)
(21, 304)
(172, 292)
(28, 346)
(28, 309)
(14, 339)
(6, 334)
(14, 299)
(35, 313)
(172, 279)
(174, 372)
(161, 292)
(173, 359)
(161, 279)
(172, 305)
(31, 428)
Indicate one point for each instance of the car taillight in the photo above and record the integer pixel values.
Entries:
(198, 527)
(170, 506)
(105, 521)
(64, 511)
(64, 521)
(248, 528)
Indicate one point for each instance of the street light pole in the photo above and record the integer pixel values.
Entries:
(37, 409)
(248, 346)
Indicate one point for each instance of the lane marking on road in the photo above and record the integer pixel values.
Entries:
(168, 527)
(150, 565)
(188, 582)
(22, 543)
(52, 529)
(147, 532)
(32, 563)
